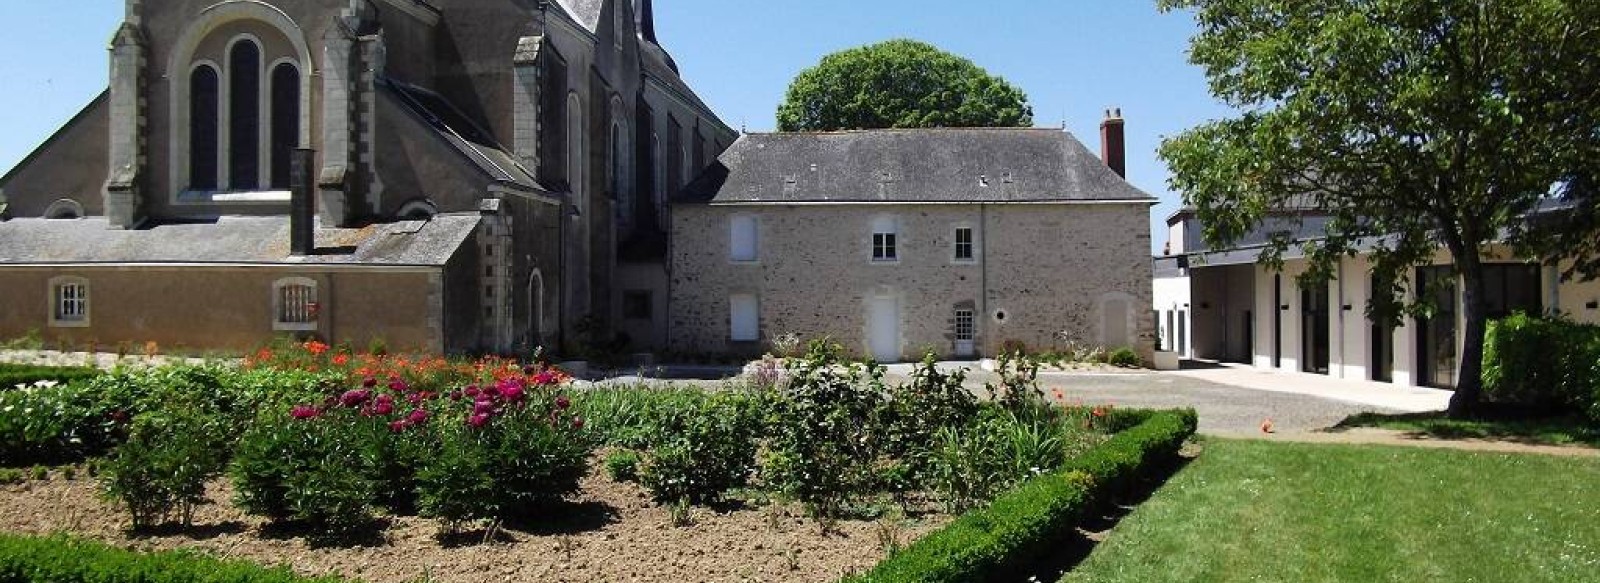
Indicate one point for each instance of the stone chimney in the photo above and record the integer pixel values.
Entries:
(1113, 146)
(302, 207)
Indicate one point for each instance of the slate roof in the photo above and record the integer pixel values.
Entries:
(466, 137)
(925, 165)
(232, 240)
(586, 12)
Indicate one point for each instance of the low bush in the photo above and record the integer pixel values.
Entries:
(23, 375)
(623, 465)
(295, 468)
(1551, 365)
(164, 465)
(995, 543)
(60, 559)
(1124, 357)
(701, 452)
(825, 441)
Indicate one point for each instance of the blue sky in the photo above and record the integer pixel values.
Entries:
(1074, 58)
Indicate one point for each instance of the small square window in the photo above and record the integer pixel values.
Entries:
(295, 304)
(72, 302)
(964, 244)
(637, 305)
(883, 247)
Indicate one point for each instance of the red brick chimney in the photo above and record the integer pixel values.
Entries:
(1113, 147)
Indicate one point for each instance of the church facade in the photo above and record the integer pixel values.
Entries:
(439, 175)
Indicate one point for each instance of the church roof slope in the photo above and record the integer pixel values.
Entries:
(232, 240)
(921, 165)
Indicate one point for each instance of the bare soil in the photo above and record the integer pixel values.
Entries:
(610, 532)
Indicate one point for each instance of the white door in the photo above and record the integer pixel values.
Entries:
(884, 329)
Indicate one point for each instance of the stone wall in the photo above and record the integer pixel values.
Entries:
(1080, 272)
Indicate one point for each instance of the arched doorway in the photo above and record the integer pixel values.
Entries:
(535, 334)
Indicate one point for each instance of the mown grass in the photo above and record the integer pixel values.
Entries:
(1572, 430)
(1263, 511)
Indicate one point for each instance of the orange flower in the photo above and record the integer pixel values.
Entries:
(316, 348)
(341, 359)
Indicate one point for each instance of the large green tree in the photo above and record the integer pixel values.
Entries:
(1415, 123)
(900, 84)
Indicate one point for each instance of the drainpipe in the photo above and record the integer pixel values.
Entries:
(1339, 278)
(983, 277)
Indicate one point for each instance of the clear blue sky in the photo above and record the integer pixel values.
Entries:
(1074, 58)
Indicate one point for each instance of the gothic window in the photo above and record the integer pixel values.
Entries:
(285, 121)
(244, 115)
(203, 112)
(575, 151)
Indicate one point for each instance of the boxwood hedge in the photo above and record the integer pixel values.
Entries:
(12, 375)
(66, 560)
(995, 543)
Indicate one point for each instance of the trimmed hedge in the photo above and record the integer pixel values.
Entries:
(995, 543)
(66, 560)
(1549, 364)
(12, 375)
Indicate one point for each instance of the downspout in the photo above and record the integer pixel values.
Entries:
(983, 276)
(1339, 305)
(561, 260)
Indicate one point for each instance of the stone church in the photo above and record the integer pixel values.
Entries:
(433, 175)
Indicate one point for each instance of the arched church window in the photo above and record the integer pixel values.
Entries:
(244, 115)
(203, 112)
(285, 121)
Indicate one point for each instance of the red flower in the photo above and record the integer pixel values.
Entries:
(303, 412)
(418, 417)
(545, 378)
(562, 402)
(479, 420)
(341, 359)
(369, 382)
(355, 398)
(316, 348)
(577, 423)
(1098, 412)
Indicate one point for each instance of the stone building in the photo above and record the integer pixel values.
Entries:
(488, 175)
(897, 242)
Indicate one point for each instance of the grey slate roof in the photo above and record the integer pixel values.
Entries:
(452, 126)
(926, 165)
(232, 240)
(586, 12)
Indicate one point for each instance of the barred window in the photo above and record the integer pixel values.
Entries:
(295, 304)
(72, 302)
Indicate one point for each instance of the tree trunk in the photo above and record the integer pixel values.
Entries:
(1469, 380)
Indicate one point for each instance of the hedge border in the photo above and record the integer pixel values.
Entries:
(995, 543)
(61, 559)
(12, 375)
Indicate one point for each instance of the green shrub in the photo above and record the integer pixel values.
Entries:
(1549, 364)
(996, 542)
(701, 452)
(310, 470)
(826, 432)
(60, 559)
(508, 466)
(25, 375)
(165, 463)
(623, 465)
(1002, 448)
(1124, 357)
(918, 410)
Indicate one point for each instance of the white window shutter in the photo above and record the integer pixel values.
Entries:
(743, 239)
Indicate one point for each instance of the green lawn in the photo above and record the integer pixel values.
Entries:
(1261, 511)
(1546, 431)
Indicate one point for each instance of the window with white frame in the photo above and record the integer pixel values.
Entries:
(744, 318)
(965, 325)
(964, 247)
(69, 302)
(743, 240)
(885, 240)
(295, 305)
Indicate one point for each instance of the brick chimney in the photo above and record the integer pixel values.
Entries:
(1113, 146)
(302, 207)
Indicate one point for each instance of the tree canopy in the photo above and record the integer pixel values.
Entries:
(900, 84)
(1416, 123)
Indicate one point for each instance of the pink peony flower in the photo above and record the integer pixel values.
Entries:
(369, 382)
(478, 420)
(544, 378)
(455, 396)
(511, 391)
(399, 386)
(418, 417)
(472, 391)
(562, 402)
(383, 408)
(399, 425)
(577, 423)
(482, 408)
(418, 397)
(355, 398)
(303, 412)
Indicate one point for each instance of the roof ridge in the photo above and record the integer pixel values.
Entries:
(904, 130)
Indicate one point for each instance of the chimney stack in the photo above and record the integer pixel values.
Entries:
(1113, 147)
(302, 208)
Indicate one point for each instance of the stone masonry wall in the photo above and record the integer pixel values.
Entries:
(1057, 271)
